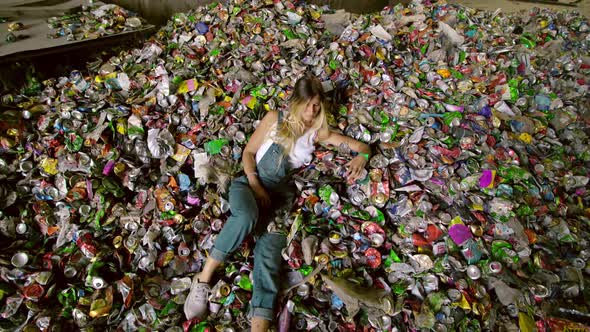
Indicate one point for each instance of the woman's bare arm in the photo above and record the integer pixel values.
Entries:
(357, 164)
(329, 137)
(249, 156)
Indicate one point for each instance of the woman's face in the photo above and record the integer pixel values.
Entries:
(312, 109)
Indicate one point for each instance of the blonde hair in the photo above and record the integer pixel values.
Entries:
(292, 126)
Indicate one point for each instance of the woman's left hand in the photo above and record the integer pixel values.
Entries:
(355, 168)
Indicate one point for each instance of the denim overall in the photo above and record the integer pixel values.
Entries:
(274, 174)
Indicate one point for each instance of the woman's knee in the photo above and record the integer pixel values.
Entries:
(269, 247)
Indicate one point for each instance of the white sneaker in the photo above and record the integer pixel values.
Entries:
(196, 303)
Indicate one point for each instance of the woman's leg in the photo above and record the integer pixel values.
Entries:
(244, 213)
(267, 263)
(259, 324)
(207, 271)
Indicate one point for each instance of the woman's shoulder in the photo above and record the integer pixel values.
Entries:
(321, 134)
(271, 117)
(269, 123)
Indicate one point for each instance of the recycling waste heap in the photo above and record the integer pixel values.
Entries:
(473, 214)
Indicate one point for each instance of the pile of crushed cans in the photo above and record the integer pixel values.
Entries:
(473, 214)
(91, 22)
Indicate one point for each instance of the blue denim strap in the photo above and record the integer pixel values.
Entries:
(280, 120)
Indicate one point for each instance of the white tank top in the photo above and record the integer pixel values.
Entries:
(301, 153)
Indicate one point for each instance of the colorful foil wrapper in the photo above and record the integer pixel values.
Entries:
(458, 232)
(487, 179)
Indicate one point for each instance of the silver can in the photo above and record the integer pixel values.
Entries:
(20, 259)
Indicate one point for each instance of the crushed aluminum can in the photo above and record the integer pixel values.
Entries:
(22, 228)
(15, 26)
(33, 292)
(98, 283)
(335, 237)
(19, 259)
(454, 294)
(473, 272)
(430, 283)
(495, 267)
(183, 250)
(377, 239)
(303, 290)
(70, 271)
(373, 257)
(539, 292)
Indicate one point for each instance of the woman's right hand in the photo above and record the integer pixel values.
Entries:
(261, 195)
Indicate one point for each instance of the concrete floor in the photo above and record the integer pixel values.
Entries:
(512, 6)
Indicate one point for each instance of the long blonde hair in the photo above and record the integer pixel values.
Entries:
(292, 126)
